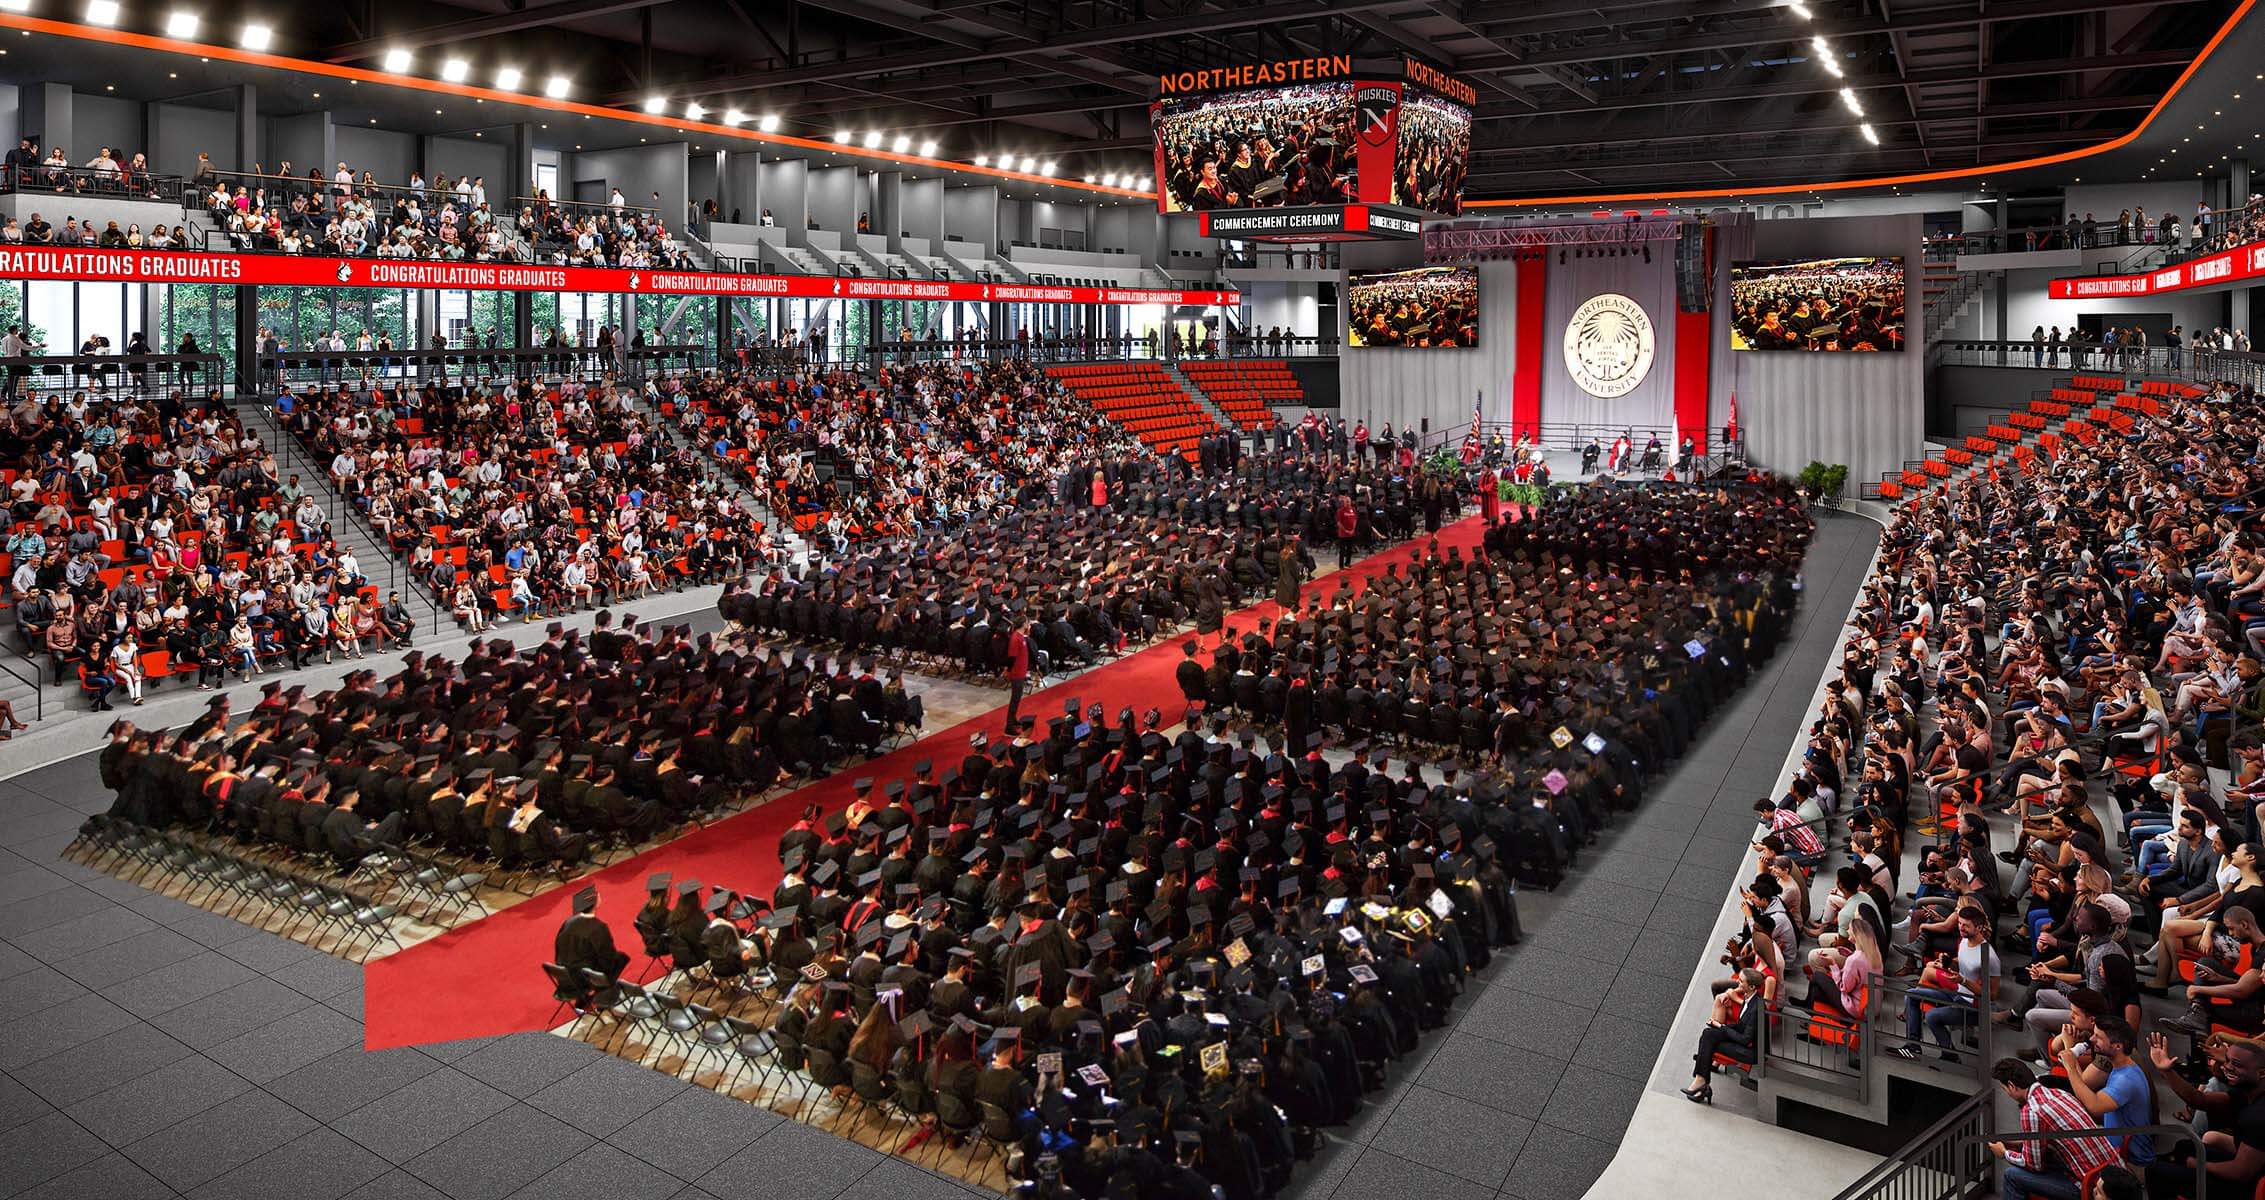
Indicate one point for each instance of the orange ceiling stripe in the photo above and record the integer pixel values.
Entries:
(2047, 160)
(254, 58)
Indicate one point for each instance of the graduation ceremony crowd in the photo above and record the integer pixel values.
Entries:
(1158, 949)
(1437, 306)
(1841, 304)
(1157, 960)
(2043, 746)
(1288, 146)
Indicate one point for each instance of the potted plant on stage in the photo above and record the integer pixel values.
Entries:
(1822, 484)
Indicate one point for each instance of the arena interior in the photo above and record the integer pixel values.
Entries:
(1132, 600)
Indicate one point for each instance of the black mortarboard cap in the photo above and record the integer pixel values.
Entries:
(586, 900)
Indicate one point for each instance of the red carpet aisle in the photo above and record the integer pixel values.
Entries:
(484, 979)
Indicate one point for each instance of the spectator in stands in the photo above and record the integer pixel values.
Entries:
(2047, 1168)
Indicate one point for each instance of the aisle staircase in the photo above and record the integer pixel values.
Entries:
(1151, 403)
(2090, 407)
(1249, 391)
(789, 539)
(349, 528)
(1202, 399)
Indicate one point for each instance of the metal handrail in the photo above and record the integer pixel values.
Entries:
(37, 682)
(1936, 1152)
(91, 183)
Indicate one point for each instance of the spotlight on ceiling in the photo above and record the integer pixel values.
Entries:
(694, 110)
(455, 70)
(872, 139)
(1848, 97)
(102, 12)
(841, 137)
(182, 25)
(1048, 168)
(507, 79)
(901, 145)
(558, 87)
(1029, 164)
(398, 62)
(983, 160)
(733, 116)
(256, 37)
(769, 123)
(656, 105)
(928, 148)
(1870, 134)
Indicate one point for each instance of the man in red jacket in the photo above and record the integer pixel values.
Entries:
(1348, 525)
(1018, 669)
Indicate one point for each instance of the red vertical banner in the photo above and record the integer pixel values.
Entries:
(1694, 357)
(1376, 117)
(1694, 334)
(1525, 369)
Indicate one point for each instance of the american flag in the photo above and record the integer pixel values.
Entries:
(1471, 440)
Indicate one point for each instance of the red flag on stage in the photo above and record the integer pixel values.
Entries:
(1730, 429)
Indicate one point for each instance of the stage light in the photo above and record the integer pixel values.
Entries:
(1800, 10)
(1089, 179)
(872, 139)
(656, 105)
(983, 160)
(102, 12)
(769, 123)
(1047, 169)
(841, 137)
(1147, 183)
(507, 79)
(256, 37)
(399, 61)
(928, 148)
(1029, 164)
(455, 70)
(733, 116)
(694, 111)
(1870, 134)
(902, 145)
(557, 87)
(1109, 180)
(182, 25)
(1848, 97)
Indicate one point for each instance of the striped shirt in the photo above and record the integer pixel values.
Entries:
(2056, 1110)
(1799, 838)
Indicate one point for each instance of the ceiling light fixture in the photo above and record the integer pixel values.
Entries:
(983, 160)
(256, 37)
(1870, 135)
(841, 137)
(1848, 97)
(1029, 164)
(694, 110)
(558, 87)
(872, 139)
(769, 123)
(455, 70)
(901, 145)
(182, 25)
(928, 148)
(398, 62)
(507, 79)
(733, 116)
(656, 105)
(102, 12)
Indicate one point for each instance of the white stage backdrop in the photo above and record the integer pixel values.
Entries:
(1865, 410)
(1651, 285)
(1407, 387)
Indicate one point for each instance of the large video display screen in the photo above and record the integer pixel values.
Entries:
(1434, 153)
(1818, 305)
(1425, 308)
(1286, 147)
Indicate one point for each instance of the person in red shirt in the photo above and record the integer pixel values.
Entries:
(1490, 497)
(1018, 669)
(1348, 526)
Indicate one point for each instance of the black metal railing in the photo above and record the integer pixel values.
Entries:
(2195, 363)
(92, 183)
(2181, 242)
(1950, 1158)
(294, 368)
(109, 372)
